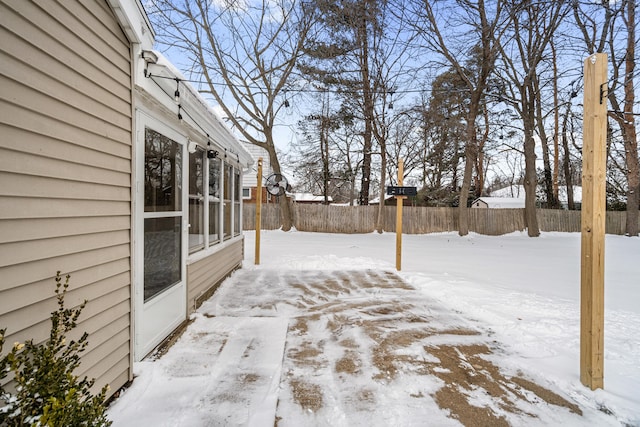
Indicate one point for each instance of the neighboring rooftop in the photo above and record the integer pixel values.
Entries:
(518, 192)
(309, 198)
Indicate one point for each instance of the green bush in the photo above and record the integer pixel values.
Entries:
(44, 391)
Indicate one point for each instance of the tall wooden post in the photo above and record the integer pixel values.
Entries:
(593, 222)
(399, 203)
(258, 210)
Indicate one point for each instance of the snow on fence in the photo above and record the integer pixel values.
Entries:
(420, 220)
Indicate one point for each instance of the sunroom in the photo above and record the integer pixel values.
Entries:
(187, 202)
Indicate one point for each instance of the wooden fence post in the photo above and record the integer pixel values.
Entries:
(399, 203)
(258, 225)
(593, 222)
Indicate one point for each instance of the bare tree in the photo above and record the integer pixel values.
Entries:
(626, 119)
(459, 30)
(615, 33)
(556, 123)
(316, 151)
(390, 57)
(522, 53)
(338, 55)
(443, 133)
(245, 52)
(567, 133)
(405, 141)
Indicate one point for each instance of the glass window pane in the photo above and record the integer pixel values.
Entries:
(163, 173)
(236, 219)
(162, 254)
(237, 190)
(227, 181)
(236, 202)
(228, 176)
(196, 201)
(214, 201)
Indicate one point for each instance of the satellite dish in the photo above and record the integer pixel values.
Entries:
(276, 184)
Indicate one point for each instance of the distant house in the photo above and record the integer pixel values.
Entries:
(563, 197)
(519, 192)
(107, 178)
(498, 203)
(309, 198)
(390, 200)
(250, 175)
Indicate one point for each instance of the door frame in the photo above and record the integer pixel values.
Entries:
(157, 318)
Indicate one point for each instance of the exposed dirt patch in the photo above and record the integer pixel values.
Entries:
(300, 326)
(385, 357)
(467, 332)
(349, 363)
(547, 395)
(363, 400)
(248, 378)
(307, 395)
(349, 343)
(466, 372)
(308, 354)
(450, 397)
(372, 323)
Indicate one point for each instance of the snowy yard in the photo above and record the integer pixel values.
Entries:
(475, 331)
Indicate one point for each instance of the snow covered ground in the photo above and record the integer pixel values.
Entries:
(323, 332)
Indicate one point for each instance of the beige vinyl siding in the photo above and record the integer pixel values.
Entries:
(204, 275)
(65, 174)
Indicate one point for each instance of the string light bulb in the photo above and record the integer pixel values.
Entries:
(176, 94)
(211, 153)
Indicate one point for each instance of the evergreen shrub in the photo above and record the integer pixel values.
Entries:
(41, 388)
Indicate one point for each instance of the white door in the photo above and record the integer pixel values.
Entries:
(161, 235)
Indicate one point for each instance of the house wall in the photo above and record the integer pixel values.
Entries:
(250, 176)
(65, 173)
(479, 204)
(266, 197)
(203, 276)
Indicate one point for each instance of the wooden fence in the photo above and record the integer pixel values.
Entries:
(420, 220)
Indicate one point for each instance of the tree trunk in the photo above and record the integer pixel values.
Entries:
(530, 178)
(566, 161)
(285, 208)
(629, 128)
(531, 218)
(324, 152)
(556, 122)
(470, 152)
(546, 159)
(480, 177)
(633, 179)
(367, 106)
(383, 178)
